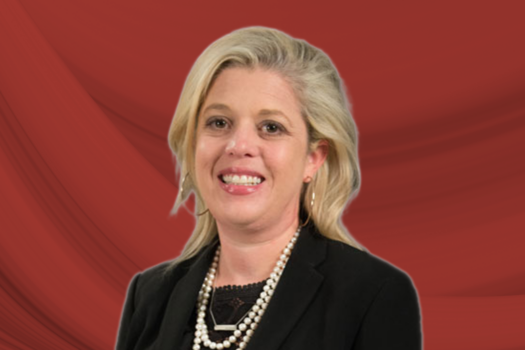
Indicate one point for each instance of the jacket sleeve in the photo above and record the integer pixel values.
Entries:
(127, 313)
(393, 320)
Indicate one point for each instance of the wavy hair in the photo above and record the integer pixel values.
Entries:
(324, 106)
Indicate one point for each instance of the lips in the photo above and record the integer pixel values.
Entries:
(240, 181)
(240, 177)
(243, 180)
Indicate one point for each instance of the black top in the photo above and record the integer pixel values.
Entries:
(230, 304)
(330, 296)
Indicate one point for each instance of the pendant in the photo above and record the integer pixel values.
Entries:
(225, 327)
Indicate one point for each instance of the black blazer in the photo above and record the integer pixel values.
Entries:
(331, 296)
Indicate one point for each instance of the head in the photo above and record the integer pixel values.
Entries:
(258, 80)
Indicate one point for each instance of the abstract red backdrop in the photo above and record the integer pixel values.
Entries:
(87, 93)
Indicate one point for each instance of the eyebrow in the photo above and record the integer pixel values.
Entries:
(262, 112)
(217, 106)
(271, 112)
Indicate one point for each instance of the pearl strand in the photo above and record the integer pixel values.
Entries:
(246, 328)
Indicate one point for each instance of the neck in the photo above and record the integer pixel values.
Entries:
(249, 255)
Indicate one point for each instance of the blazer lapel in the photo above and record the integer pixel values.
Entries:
(182, 301)
(294, 292)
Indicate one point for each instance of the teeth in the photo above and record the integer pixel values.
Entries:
(243, 180)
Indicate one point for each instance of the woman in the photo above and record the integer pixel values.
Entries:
(264, 137)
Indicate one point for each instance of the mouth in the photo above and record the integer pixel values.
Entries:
(235, 176)
(241, 180)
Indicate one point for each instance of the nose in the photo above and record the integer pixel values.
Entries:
(243, 142)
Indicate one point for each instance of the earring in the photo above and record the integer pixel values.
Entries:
(312, 202)
(181, 191)
(204, 212)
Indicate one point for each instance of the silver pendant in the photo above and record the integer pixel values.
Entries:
(225, 327)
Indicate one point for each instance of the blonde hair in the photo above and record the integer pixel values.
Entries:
(324, 106)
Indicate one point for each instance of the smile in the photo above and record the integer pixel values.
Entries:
(241, 180)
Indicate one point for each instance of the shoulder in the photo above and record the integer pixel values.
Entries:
(381, 295)
(346, 263)
(154, 276)
(158, 281)
(369, 286)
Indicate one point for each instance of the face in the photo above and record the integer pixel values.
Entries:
(252, 153)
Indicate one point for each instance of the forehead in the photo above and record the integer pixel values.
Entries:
(251, 90)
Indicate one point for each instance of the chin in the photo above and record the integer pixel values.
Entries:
(241, 217)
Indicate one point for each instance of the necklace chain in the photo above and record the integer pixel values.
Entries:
(245, 328)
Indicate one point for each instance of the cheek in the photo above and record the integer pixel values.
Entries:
(201, 148)
(207, 151)
(279, 156)
(286, 161)
(201, 154)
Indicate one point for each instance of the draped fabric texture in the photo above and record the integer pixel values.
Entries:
(87, 181)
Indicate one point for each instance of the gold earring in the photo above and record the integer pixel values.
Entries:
(312, 202)
(204, 212)
(181, 191)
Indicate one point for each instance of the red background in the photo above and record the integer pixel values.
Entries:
(87, 92)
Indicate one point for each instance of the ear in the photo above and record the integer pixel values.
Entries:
(316, 158)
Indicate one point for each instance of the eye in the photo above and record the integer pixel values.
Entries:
(273, 128)
(217, 123)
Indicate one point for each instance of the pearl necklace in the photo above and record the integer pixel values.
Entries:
(242, 335)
